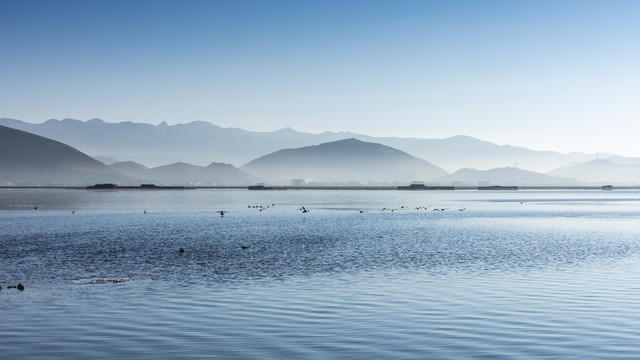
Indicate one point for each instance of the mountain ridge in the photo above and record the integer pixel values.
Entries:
(26, 158)
(202, 142)
(343, 161)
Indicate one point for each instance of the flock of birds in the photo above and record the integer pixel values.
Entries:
(302, 209)
(305, 210)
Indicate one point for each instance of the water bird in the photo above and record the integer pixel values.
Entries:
(244, 246)
(145, 211)
(36, 207)
(303, 210)
(182, 250)
(462, 209)
(221, 212)
(74, 211)
(20, 287)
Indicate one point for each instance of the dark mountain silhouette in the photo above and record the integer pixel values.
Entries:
(504, 176)
(601, 171)
(201, 142)
(28, 159)
(216, 174)
(343, 161)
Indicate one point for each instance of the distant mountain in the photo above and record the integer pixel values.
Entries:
(216, 174)
(343, 161)
(130, 168)
(28, 159)
(601, 171)
(504, 176)
(197, 142)
(105, 159)
(459, 152)
(624, 160)
(202, 142)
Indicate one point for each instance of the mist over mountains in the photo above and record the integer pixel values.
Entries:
(27, 160)
(199, 153)
(201, 143)
(180, 173)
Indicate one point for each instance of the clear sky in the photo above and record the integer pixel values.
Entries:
(551, 75)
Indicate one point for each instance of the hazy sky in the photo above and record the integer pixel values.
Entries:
(554, 75)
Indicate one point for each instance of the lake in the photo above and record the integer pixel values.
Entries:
(436, 274)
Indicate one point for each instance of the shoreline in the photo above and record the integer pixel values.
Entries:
(336, 187)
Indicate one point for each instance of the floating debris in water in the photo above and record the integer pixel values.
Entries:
(99, 281)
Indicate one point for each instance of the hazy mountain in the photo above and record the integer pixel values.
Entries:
(105, 159)
(601, 171)
(504, 176)
(343, 161)
(460, 152)
(624, 160)
(202, 142)
(28, 159)
(130, 168)
(196, 142)
(216, 174)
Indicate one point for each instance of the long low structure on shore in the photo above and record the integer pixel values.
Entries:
(330, 187)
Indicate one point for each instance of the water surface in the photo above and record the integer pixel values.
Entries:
(513, 274)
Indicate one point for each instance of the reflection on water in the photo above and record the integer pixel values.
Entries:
(514, 274)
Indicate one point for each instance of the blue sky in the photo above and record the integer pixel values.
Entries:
(549, 75)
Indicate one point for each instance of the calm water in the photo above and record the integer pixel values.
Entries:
(515, 275)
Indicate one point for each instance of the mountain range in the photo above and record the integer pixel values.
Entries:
(215, 174)
(202, 143)
(27, 158)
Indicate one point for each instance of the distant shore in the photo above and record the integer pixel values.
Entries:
(336, 187)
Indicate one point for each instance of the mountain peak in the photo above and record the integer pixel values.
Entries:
(343, 161)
